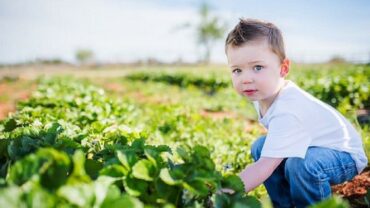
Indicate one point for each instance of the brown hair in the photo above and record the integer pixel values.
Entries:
(252, 29)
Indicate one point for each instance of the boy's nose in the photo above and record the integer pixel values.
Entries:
(247, 77)
(247, 80)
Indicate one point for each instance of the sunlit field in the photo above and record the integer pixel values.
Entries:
(159, 136)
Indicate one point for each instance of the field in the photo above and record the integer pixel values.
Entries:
(155, 136)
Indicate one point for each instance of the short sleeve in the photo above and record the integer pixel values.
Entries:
(286, 137)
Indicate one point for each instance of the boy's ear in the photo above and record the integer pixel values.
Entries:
(284, 67)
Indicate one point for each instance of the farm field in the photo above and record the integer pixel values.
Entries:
(148, 136)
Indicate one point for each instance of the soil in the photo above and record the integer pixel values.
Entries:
(14, 92)
(217, 114)
(355, 190)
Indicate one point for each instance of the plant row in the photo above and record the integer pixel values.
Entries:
(69, 146)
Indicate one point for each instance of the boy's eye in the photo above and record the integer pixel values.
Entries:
(257, 68)
(237, 70)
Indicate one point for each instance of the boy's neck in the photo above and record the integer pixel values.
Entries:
(265, 104)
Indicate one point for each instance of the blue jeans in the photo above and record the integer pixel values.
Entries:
(298, 182)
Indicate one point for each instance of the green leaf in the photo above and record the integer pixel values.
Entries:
(114, 171)
(183, 154)
(197, 187)
(93, 167)
(167, 178)
(138, 145)
(124, 201)
(201, 151)
(246, 202)
(113, 194)
(144, 169)
(180, 171)
(3, 147)
(10, 197)
(50, 167)
(154, 155)
(78, 174)
(10, 125)
(79, 194)
(163, 148)
(21, 146)
(333, 202)
(52, 133)
(40, 198)
(206, 163)
(4, 169)
(222, 200)
(135, 187)
(127, 157)
(233, 182)
(67, 145)
(236, 200)
(168, 193)
(101, 188)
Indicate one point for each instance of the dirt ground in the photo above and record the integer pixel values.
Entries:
(355, 191)
(13, 92)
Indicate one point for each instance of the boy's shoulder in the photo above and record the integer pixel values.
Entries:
(294, 100)
(304, 106)
(292, 97)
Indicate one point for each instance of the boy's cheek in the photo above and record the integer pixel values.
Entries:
(235, 86)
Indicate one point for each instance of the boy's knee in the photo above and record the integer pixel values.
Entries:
(257, 147)
(296, 166)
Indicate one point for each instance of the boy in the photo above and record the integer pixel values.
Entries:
(309, 145)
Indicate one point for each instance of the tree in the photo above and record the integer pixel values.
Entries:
(209, 30)
(84, 55)
(337, 60)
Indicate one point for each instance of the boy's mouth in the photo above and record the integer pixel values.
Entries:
(249, 92)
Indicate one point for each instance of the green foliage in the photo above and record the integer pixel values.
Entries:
(47, 167)
(69, 146)
(333, 202)
(210, 84)
(342, 88)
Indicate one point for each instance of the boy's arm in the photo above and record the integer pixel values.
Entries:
(256, 173)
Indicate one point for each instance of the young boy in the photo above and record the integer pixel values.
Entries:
(309, 145)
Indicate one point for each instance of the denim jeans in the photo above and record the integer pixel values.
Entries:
(298, 182)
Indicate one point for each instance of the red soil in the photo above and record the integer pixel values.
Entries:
(13, 94)
(356, 188)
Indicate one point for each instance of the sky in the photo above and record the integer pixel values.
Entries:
(130, 30)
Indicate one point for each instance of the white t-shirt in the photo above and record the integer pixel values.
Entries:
(296, 120)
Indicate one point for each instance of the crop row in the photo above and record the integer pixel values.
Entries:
(69, 146)
(208, 83)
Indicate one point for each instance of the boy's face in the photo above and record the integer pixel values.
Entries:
(256, 71)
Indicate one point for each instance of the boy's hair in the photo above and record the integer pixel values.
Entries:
(252, 29)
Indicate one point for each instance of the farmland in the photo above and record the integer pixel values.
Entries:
(147, 136)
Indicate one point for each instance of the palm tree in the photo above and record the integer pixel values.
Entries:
(209, 30)
(84, 55)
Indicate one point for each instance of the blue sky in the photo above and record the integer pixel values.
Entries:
(127, 30)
